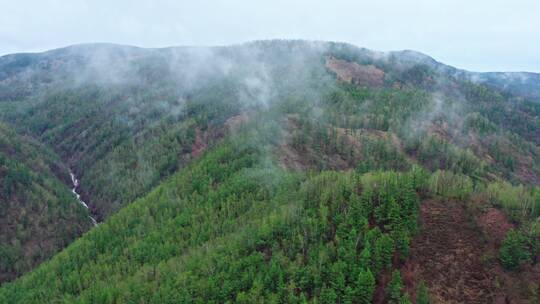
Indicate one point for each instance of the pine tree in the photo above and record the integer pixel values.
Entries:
(402, 241)
(394, 288)
(358, 213)
(328, 296)
(365, 256)
(350, 245)
(373, 234)
(393, 219)
(384, 250)
(348, 295)
(410, 202)
(303, 299)
(380, 211)
(365, 287)
(338, 278)
(418, 177)
(422, 296)
(366, 202)
(405, 299)
(514, 250)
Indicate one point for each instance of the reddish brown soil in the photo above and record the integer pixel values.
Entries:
(449, 256)
(235, 122)
(305, 158)
(200, 143)
(354, 73)
(495, 224)
(379, 296)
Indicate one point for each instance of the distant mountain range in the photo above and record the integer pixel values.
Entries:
(524, 84)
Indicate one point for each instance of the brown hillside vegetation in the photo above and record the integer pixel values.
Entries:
(447, 255)
(456, 255)
(354, 73)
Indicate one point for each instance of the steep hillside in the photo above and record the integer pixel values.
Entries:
(521, 84)
(280, 171)
(125, 118)
(526, 85)
(275, 236)
(38, 213)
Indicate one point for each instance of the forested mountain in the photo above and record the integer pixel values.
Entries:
(272, 171)
(38, 213)
(526, 85)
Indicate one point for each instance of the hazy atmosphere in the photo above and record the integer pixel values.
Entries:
(303, 152)
(475, 35)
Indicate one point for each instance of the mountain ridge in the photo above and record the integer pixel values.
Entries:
(292, 160)
(524, 84)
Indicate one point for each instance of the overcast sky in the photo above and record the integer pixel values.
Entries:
(480, 35)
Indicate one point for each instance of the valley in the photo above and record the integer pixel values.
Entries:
(275, 171)
(75, 183)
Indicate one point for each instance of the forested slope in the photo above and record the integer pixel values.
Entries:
(38, 213)
(279, 171)
(234, 226)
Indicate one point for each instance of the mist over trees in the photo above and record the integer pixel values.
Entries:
(272, 171)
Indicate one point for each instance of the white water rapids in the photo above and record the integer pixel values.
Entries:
(75, 183)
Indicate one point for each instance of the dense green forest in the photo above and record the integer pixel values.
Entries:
(235, 227)
(271, 233)
(38, 214)
(273, 171)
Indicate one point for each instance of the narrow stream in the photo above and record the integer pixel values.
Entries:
(75, 183)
